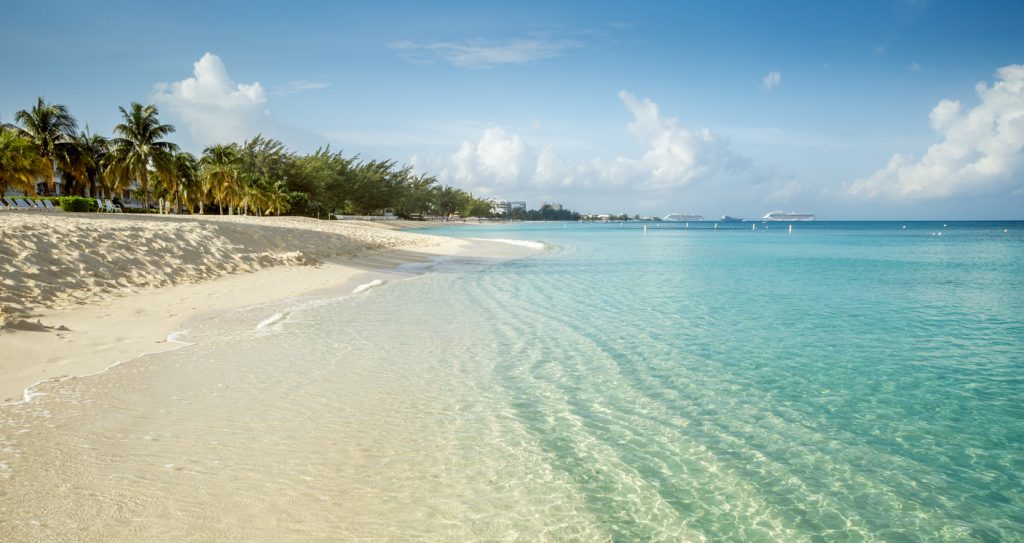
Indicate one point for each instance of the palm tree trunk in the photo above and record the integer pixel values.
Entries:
(51, 185)
(144, 180)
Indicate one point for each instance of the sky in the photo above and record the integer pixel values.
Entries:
(905, 109)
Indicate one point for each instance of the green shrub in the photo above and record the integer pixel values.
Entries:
(77, 203)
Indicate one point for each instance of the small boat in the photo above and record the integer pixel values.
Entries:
(726, 218)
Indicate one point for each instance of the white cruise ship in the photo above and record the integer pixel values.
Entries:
(680, 217)
(780, 216)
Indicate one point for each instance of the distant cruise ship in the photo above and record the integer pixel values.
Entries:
(780, 216)
(726, 218)
(678, 217)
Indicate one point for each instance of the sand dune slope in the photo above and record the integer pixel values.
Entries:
(54, 261)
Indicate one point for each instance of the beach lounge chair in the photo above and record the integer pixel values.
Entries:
(3, 205)
(111, 207)
(22, 204)
(49, 205)
(99, 206)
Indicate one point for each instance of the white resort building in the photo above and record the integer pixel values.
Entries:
(502, 207)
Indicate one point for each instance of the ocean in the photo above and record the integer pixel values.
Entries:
(850, 381)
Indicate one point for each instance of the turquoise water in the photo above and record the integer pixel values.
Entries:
(846, 382)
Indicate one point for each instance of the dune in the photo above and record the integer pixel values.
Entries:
(56, 261)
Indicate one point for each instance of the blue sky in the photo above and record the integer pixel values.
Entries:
(845, 109)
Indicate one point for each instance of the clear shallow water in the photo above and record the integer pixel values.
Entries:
(848, 382)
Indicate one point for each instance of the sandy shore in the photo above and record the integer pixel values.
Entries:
(79, 293)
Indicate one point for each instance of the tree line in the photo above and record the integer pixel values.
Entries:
(258, 176)
(545, 213)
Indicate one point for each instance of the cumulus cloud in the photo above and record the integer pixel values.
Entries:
(551, 168)
(497, 158)
(484, 54)
(982, 149)
(501, 161)
(771, 80)
(214, 108)
(675, 155)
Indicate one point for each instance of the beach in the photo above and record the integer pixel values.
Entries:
(687, 384)
(79, 293)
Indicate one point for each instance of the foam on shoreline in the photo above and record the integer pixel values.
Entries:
(269, 320)
(367, 286)
(536, 245)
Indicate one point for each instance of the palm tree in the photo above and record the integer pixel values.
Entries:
(92, 150)
(140, 146)
(73, 170)
(20, 163)
(220, 172)
(276, 199)
(51, 129)
(183, 184)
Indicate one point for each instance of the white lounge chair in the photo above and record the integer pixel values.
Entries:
(23, 204)
(3, 205)
(111, 207)
(49, 205)
(99, 206)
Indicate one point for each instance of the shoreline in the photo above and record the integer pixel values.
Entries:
(98, 331)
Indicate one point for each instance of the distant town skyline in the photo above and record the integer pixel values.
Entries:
(906, 109)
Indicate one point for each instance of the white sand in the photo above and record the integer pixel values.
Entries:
(79, 293)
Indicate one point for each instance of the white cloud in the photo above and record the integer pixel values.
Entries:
(293, 87)
(551, 168)
(215, 109)
(497, 158)
(675, 156)
(771, 80)
(982, 150)
(484, 54)
(502, 162)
